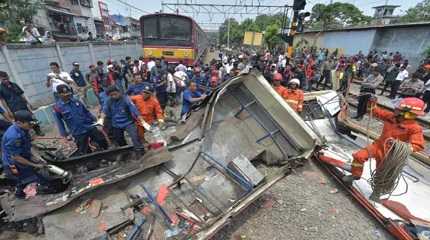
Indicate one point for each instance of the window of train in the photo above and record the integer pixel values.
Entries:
(175, 28)
(150, 28)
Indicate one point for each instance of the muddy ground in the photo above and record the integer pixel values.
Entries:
(307, 204)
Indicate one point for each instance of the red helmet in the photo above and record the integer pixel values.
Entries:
(412, 104)
(277, 77)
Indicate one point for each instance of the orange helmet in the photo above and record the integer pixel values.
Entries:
(277, 77)
(412, 104)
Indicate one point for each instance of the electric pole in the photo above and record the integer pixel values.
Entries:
(228, 32)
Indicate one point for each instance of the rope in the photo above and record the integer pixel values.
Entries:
(385, 178)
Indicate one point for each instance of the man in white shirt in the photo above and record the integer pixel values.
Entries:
(31, 34)
(56, 77)
(181, 67)
(402, 75)
(150, 64)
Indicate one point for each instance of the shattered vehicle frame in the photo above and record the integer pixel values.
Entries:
(240, 142)
(236, 146)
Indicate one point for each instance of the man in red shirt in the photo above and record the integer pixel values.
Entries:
(150, 109)
(400, 124)
(294, 95)
(281, 90)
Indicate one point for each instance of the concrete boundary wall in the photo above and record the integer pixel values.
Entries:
(28, 66)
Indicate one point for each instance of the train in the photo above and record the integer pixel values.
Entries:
(172, 36)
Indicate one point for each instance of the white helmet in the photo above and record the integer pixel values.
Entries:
(295, 80)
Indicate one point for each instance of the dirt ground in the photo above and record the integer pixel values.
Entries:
(307, 204)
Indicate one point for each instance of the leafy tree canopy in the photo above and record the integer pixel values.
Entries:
(269, 24)
(419, 13)
(337, 15)
(13, 13)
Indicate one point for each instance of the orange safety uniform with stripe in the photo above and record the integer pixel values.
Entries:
(408, 131)
(281, 90)
(295, 99)
(150, 110)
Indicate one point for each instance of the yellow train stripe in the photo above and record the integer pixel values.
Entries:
(180, 53)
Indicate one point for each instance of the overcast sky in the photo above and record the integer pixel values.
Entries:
(150, 6)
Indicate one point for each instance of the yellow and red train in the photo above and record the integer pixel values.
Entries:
(172, 36)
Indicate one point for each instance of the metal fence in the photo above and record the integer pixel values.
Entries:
(28, 65)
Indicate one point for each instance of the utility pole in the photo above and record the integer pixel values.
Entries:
(292, 32)
(297, 6)
(228, 32)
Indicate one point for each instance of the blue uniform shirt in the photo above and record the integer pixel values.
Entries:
(186, 103)
(121, 111)
(202, 83)
(76, 116)
(103, 97)
(78, 77)
(136, 89)
(16, 142)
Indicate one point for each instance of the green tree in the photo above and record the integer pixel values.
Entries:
(271, 36)
(419, 13)
(13, 13)
(237, 31)
(337, 15)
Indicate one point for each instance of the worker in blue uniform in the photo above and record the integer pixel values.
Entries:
(138, 85)
(123, 114)
(80, 122)
(190, 98)
(201, 81)
(17, 160)
(158, 80)
(6, 122)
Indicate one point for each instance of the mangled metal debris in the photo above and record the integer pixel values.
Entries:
(212, 174)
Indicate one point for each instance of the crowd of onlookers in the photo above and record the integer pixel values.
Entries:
(175, 89)
(376, 72)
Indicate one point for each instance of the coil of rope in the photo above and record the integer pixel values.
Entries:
(385, 178)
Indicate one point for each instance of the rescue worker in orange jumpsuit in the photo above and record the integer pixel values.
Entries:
(295, 96)
(281, 90)
(150, 109)
(400, 124)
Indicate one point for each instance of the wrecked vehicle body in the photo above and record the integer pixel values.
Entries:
(404, 212)
(244, 140)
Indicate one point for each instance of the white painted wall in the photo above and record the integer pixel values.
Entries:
(31, 63)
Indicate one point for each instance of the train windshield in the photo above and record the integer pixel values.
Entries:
(150, 29)
(167, 30)
(175, 28)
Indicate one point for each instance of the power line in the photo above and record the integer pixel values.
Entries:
(131, 6)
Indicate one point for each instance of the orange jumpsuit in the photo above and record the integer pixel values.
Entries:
(406, 131)
(281, 90)
(295, 99)
(150, 109)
